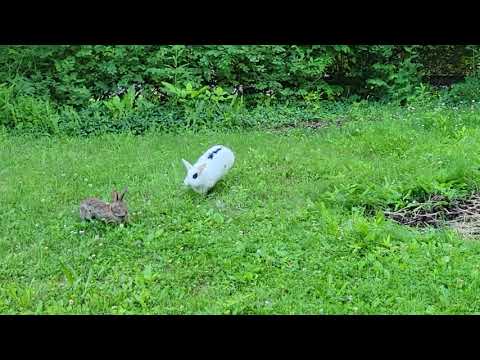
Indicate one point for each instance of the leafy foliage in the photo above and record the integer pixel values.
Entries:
(465, 92)
(93, 89)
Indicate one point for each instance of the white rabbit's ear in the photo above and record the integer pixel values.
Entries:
(188, 166)
(201, 168)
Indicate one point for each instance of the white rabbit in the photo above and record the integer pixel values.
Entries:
(209, 168)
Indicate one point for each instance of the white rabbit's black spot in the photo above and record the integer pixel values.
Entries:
(210, 156)
(195, 175)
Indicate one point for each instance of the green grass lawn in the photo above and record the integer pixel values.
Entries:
(286, 232)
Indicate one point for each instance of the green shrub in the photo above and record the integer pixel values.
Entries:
(95, 89)
(465, 92)
(27, 113)
(72, 75)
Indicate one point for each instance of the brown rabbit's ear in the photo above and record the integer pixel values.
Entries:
(114, 195)
(123, 194)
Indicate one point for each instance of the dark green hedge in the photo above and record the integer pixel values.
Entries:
(83, 90)
(72, 75)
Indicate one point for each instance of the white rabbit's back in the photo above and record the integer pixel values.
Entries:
(209, 154)
(209, 168)
(220, 164)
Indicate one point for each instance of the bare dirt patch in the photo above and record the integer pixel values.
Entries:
(462, 215)
(315, 124)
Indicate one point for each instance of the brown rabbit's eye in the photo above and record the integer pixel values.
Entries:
(195, 175)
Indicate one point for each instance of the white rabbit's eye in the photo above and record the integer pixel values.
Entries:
(195, 175)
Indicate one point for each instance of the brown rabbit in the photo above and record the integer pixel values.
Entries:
(116, 212)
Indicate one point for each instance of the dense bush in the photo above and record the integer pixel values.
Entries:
(73, 74)
(27, 113)
(96, 89)
(464, 92)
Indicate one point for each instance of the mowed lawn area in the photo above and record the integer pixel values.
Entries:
(296, 227)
